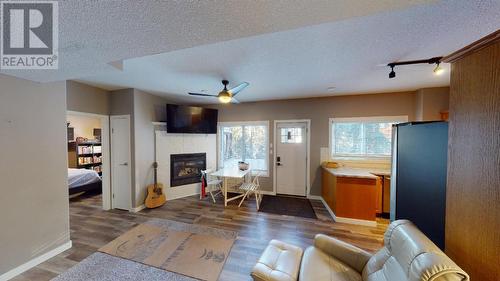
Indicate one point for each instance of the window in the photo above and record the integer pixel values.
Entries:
(362, 137)
(291, 135)
(244, 141)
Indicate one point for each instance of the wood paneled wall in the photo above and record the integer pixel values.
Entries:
(473, 191)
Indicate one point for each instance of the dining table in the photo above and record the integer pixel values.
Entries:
(226, 174)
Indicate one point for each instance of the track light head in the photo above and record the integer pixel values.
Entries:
(435, 60)
(392, 74)
(438, 70)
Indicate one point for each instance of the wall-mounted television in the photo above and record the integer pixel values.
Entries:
(191, 119)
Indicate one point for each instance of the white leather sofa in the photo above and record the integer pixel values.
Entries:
(408, 255)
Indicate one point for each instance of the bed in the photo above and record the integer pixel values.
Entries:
(81, 180)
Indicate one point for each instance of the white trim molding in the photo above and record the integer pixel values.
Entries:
(314, 197)
(138, 209)
(34, 262)
(356, 221)
(328, 209)
(267, 192)
(348, 220)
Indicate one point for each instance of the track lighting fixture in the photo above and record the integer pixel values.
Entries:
(438, 70)
(392, 74)
(436, 60)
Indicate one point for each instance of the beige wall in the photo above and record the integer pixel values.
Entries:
(147, 108)
(83, 125)
(319, 110)
(430, 102)
(85, 98)
(33, 170)
(121, 102)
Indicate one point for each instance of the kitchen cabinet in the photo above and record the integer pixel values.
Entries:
(352, 197)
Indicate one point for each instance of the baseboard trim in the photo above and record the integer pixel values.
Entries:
(265, 192)
(328, 209)
(34, 262)
(357, 221)
(314, 197)
(182, 196)
(138, 209)
(347, 220)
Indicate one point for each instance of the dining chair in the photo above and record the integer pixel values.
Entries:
(252, 187)
(214, 185)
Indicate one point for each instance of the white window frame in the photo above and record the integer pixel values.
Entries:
(381, 119)
(261, 173)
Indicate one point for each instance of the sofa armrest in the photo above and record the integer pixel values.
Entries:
(344, 252)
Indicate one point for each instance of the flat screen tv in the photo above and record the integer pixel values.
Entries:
(191, 119)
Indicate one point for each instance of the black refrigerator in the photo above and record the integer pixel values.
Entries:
(418, 176)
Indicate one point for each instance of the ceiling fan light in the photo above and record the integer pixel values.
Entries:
(225, 98)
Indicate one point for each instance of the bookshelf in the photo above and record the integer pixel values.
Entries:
(89, 156)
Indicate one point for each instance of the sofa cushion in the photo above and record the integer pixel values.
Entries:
(408, 255)
(318, 266)
(279, 262)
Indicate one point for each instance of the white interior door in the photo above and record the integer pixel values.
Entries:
(291, 158)
(120, 162)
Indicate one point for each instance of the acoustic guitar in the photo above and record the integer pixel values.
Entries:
(156, 197)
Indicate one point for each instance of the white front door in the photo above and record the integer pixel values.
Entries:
(120, 162)
(291, 158)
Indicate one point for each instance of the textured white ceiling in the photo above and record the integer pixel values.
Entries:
(285, 49)
(93, 33)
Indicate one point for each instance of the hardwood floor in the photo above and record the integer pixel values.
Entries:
(91, 228)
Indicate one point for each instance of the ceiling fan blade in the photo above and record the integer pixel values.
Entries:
(238, 88)
(203, 95)
(235, 101)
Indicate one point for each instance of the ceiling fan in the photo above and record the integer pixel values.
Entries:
(226, 96)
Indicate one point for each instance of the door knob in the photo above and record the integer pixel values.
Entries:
(124, 164)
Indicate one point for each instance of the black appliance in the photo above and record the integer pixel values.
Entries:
(191, 119)
(418, 177)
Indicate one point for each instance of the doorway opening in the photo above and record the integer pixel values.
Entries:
(88, 155)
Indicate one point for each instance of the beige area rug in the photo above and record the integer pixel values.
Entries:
(193, 250)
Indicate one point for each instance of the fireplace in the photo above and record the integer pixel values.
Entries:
(186, 168)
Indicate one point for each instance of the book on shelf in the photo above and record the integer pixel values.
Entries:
(96, 149)
(89, 148)
(89, 160)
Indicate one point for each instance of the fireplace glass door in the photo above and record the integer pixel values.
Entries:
(186, 168)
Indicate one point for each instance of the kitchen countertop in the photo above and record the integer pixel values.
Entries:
(365, 173)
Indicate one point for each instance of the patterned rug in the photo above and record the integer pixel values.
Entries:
(103, 267)
(192, 250)
(159, 250)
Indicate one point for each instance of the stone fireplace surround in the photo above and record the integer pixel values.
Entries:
(168, 144)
